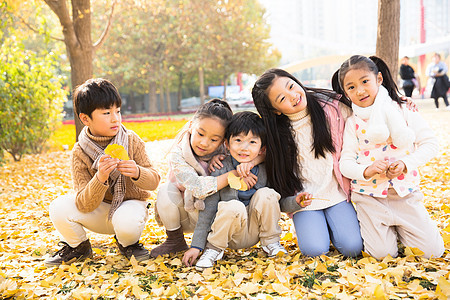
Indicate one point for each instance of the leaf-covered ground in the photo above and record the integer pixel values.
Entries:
(27, 237)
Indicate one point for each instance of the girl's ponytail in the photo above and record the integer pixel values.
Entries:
(214, 108)
(388, 81)
(374, 64)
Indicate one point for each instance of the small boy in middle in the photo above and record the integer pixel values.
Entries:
(233, 218)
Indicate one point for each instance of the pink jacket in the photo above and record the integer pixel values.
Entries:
(336, 118)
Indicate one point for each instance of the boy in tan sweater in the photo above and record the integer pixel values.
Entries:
(110, 194)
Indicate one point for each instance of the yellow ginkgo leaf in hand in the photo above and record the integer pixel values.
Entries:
(117, 151)
(236, 183)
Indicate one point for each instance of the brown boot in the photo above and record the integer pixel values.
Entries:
(174, 243)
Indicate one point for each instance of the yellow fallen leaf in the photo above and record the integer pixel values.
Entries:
(280, 289)
(321, 268)
(117, 151)
(139, 293)
(175, 262)
(73, 269)
(444, 286)
(413, 251)
(378, 293)
(236, 182)
(287, 237)
(257, 275)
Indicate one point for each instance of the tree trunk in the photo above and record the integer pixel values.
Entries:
(180, 87)
(152, 106)
(76, 28)
(132, 102)
(169, 103)
(225, 88)
(161, 96)
(202, 84)
(81, 70)
(388, 35)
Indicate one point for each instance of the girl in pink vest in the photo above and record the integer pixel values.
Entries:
(384, 144)
(304, 139)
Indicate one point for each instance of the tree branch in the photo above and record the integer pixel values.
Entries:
(61, 11)
(102, 38)
(36, 30)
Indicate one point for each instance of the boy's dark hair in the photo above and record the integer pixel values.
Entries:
(372, 64)
(245, 121)
(93, 94)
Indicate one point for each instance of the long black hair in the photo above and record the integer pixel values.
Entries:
(373, 64)
(282, 164)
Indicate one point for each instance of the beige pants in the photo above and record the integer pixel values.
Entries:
(127, 223)
(238, 227)
(383, 219)
(170, 206)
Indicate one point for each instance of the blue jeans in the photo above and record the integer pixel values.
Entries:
(337, 223)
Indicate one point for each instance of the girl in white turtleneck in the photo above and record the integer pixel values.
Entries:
(304, 139)
(383, 145)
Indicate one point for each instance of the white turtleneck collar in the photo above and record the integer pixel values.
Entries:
(298, 115)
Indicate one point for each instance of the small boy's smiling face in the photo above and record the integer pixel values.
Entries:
(244, 147)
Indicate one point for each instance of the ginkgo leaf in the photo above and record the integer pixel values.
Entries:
(236, 182)
(117, 151)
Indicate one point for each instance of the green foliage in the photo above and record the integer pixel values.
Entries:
(157, 41)
(31, 98)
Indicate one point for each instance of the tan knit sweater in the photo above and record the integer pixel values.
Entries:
(90, 192)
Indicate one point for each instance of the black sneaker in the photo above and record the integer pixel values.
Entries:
(69, 255)
(137, 250)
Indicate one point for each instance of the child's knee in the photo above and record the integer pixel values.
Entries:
(434, 250)
(382, 251)
(62, 206)
(266, 196)
(314, 249)
(352, 248)
(232, 209)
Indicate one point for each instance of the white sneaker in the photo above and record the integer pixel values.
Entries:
(447, 107)
(273, 249)
(208, 258)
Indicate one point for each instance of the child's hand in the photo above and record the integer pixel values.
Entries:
(216, 162)
(378, 167)
(411, 105)
(106, 165)
(128, 168)
(395, 169)
(190, 256)
(243, 169)
(250, 180)
(304, 199)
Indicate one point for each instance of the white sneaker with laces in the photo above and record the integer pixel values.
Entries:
(273, 249)
(208, 258)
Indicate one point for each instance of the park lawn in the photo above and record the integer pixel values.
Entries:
(27, 237)
(151, 130)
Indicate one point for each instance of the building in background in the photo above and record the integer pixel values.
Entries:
(304, 29)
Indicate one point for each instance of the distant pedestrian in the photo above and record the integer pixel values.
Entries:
(437, 71)
(408, 77)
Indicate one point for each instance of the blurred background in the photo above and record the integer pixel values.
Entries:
(168, 56)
